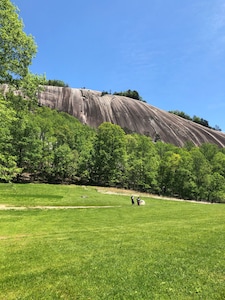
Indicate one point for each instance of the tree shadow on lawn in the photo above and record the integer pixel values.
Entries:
(33, 196)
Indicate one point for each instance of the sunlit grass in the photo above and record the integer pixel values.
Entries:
(164, 250)
(48, 194)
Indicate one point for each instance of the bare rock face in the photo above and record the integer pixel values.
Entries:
(91, 108)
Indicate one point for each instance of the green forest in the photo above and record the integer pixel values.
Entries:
(44, 145)
(48, 146)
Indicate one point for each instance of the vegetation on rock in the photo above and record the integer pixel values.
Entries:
(40, 144)
(130, 94)
(195, 119)
(48, 146)
(56, 82)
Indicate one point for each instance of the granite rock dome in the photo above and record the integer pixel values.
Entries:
(91, 108)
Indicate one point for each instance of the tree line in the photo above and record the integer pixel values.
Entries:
(133, 94)
(195, 119)
(40, 144)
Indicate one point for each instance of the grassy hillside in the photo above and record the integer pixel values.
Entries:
(164, 250)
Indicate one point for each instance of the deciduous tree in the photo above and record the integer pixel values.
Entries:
(142, 163)
(109, 154)
(8, 165)
(17, 49)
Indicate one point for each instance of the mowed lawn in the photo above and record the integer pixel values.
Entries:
(163, 250)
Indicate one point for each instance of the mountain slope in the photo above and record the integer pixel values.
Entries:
(91, 108)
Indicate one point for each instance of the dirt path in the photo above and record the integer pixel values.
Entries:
(115, 191)
(103, 191)
(8, 207)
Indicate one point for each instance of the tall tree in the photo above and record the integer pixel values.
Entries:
(109, 155)
(216, 188)
(165, 151)
(169, 165)
(183, 181)
(17, 49)
(64, 163)
(142, 163)
(209, 150)
(218, 163)
(8, 166)
(201, 170)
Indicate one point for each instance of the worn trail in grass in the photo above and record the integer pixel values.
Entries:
(165, 250)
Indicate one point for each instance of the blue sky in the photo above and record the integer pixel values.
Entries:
(171, 51)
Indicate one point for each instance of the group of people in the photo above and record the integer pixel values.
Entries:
(138, 200)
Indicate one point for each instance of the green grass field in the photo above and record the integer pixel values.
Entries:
(164, 250)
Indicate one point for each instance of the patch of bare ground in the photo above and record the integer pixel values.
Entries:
(16, 237)
(112, 191)
(103, 190)
(7, 207)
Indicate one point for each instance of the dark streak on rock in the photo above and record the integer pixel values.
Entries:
(91, 108)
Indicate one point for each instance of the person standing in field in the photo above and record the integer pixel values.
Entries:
(138, 200)
(132, 200)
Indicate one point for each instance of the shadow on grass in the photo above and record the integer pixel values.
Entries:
(33, 196)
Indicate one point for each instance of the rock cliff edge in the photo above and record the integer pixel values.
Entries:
(91, 108)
